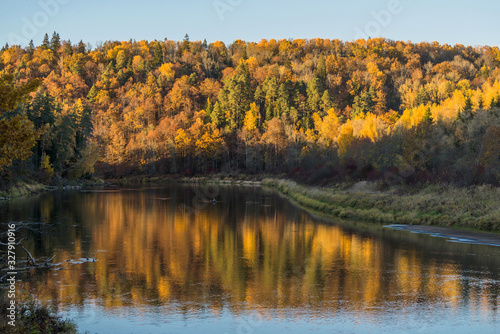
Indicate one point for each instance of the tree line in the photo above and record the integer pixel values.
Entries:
(315, 109)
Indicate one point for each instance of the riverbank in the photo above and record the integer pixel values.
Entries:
(30, 187)
(20, 189)
(475, 208)
(32, 317)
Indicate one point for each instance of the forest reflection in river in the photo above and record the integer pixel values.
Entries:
(251, 252)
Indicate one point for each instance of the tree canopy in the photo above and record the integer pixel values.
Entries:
(367, 107)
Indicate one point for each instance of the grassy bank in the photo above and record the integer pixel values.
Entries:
(31, 317)
(31, 187)
(468, 208)
(476, 207)
(20, 189)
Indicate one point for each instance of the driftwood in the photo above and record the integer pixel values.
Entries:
(47, 262)
(31, 262)
(32, 259)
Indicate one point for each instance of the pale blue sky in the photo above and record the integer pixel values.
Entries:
(458, 21)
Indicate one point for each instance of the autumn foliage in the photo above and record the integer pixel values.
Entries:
(368, 108)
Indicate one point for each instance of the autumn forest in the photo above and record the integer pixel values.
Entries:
(314, 109)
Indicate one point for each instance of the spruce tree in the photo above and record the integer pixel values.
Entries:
(428, 119)
(55, 42)
(41, 109)
(45, 44)
(209, 108)
(185, 44)
(314, 95)
(468, 103)
(31, 47)
(217, 115)
(92, 93)
(68, 48)
(495, 101)
(158, 56)
(81, 47)
(64, 143)
(480, 102)
(320, 72)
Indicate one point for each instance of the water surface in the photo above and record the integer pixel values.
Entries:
(169, 261)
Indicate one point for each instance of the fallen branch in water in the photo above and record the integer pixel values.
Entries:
(33, 262)
(47, 262)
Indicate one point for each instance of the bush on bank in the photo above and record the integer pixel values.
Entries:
(32, 317)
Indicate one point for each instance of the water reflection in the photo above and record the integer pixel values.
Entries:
(252, 250)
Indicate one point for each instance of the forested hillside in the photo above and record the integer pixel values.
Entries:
(368, 109)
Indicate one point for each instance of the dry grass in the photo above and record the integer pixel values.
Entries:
(20, 189)
(475, 207)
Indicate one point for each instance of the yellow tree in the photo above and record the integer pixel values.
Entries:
(209, 146)
(17, 134)
(250, 133)
(377, 77)
(116, 148)
(345, 139)
(328, 127)
(46, 166)
(167, 72)
(252, 118)
(373, 127)
(182, 144)
(182, 96)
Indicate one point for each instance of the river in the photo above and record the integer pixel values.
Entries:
(170, 259)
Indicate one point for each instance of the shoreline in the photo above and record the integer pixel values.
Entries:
(470, 209)
(467, 209)
(29, 188)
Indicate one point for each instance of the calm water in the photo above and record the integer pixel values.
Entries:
(168, 261)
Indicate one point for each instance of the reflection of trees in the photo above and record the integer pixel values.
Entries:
(232, 252)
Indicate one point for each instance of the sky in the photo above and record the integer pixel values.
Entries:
(94, 21)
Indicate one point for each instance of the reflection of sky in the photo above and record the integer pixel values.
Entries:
(460, 21)
(160, 270)
(422, 319)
